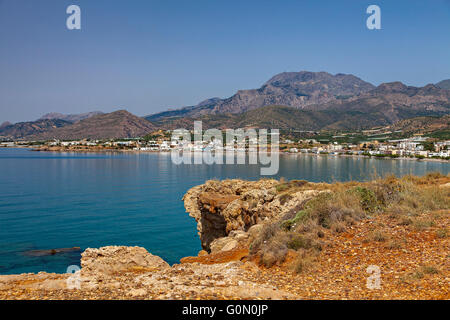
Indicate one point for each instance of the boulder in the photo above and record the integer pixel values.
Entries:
(113, 260)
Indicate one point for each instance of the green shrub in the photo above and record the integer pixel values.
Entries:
(282, 187)
(288, 224)
(369, 201)
(297, 242)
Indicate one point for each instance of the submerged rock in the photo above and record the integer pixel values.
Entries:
(51, 252)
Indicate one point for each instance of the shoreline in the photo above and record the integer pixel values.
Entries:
(279, 152)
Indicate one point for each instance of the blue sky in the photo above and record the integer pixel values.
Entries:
(147, 56)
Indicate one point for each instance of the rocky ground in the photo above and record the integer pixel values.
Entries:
(412, 259)
(133, 273)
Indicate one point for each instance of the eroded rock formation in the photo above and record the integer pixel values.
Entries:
(114, 259)
(225, 211)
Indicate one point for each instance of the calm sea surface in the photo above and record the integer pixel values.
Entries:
(60, 200)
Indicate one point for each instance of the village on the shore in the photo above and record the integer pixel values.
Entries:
(419, 147)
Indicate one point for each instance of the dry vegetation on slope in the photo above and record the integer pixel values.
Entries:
(406, 200)
(321, 248)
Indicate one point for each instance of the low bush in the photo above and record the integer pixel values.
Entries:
(304, 262)
(378, 236)
(442, 233)
(429, 270)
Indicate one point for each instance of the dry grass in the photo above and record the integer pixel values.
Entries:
(395, 244)
(442, 233)
(304, 262)
(404, 199)
(378, 236)
(429, 270)
(423, 224)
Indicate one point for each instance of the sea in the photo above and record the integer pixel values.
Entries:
(89, 200)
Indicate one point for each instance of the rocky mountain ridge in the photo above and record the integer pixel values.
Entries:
(115, 125)
(295, 89)
(311, 101)
(70, 117)
(26, 129)
(321, 91)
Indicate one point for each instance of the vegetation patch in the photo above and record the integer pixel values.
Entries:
(342, 205)
(442, 233)
(285, 198)
(378, 236)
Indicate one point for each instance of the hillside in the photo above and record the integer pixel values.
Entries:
(311, 101)
(24, 129)
(364, 113)
(280, 117)
(422, 125)
(5, 124)
(444, 84)
(317, 101)
(360, 114)
(395, 101)
(295, 89)
(70, 117)
(119, 124)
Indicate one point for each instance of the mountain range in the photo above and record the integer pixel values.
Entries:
(70, 117)
(291, 100)
(314, 101)
(114, 125)
(294, 89)
(26, 129)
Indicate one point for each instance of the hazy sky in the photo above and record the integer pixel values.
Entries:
(146, 55)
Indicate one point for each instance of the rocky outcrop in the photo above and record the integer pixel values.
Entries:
(114, 260)
(225, 211)
(134, 273)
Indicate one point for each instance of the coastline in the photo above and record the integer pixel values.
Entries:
(226, 268)
(88, 150)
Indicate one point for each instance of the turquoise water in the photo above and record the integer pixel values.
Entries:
(60, 200)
